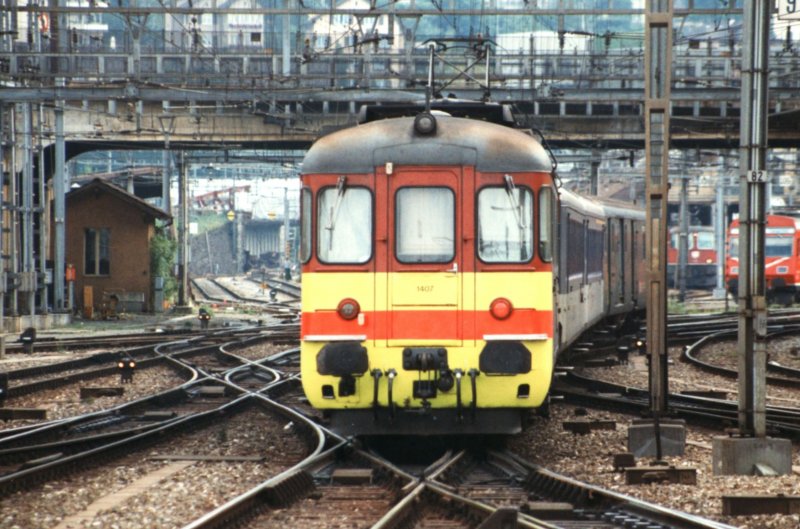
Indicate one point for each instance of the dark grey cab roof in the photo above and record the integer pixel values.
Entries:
(457, 141)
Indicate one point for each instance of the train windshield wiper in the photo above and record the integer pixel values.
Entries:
(340, 190)
(512, 199)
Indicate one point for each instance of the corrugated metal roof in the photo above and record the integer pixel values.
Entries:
(261, 238)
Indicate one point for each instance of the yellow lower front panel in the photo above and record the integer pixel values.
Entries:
(493, 391)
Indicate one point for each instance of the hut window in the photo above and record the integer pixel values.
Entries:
(97, 252)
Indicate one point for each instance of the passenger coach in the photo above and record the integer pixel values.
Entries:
(430, 253)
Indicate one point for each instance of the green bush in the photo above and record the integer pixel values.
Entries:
(162, 262)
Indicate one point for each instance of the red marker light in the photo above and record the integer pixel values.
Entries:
(348, 309)
(501, 308)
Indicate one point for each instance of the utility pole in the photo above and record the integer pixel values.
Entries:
(167, 123)
(287, 249)
(594, 175)
(752, 218)
(683, 241)
(658, 65)
(753, 448)
(183, 237)
(59, 206)
(719, 237)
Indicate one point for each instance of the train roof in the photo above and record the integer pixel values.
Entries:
(456, 141)
(601, 207)
(772, 221)
(462, 108)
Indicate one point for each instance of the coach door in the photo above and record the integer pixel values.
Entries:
(425, 262)
(616, 263)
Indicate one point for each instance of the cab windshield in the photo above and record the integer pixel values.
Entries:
(344, 225)
(425, 224)
(778, 246)
(505, 225)
(773, 247)
(705, 240)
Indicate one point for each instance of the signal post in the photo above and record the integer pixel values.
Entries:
(656, 437)
(750, 451)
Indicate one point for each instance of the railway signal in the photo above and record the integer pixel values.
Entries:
(28, 337)
(205, 318)
(3, 387)
(126, 367)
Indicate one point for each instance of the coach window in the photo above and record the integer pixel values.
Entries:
(505, 225)
(344, 225)
(546, 224)
(425, 225)
(97, 252)
(305, 226)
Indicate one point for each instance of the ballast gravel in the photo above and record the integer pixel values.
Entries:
(589, 457)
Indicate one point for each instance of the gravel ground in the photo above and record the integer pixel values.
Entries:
(179, 498)
(589, 458)
(784, 351)
(65, 401)
(260, 350)
(13, 361)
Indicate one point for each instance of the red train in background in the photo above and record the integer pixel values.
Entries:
(701, 270)
(781, 248)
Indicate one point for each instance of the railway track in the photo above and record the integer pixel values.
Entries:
(215, 291)
(706, 407)
(777, 374)
(193, 444)
(340, 485)
(690, 328)
(197, 363)
(716, 413)
(50, 344)
(220, 389)
(347, 487)
(288, 288)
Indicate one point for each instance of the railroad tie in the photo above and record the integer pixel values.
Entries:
(115, 499)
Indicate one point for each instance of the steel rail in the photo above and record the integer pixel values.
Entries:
(673, 518)
(617, 397)
(36, 473)
(26, 433)
(691, 355)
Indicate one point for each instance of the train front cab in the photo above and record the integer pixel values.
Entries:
(781, 255)
(701, 271)
(427, 298)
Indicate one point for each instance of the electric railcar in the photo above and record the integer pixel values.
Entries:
(782, 264)
(443, 271)
(701, 270)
